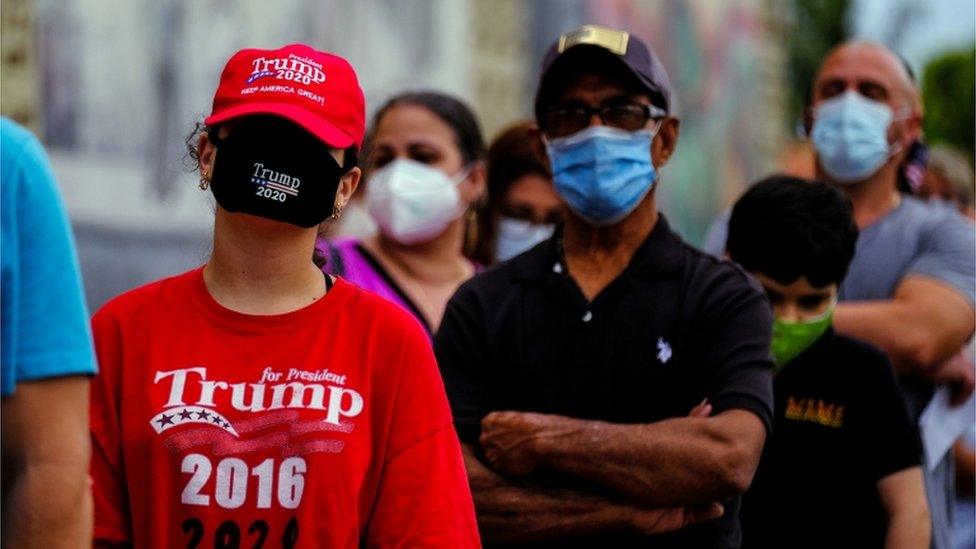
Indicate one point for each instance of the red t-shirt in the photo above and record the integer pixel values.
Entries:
(323, 427)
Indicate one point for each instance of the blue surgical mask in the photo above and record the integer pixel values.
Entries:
(517, 235)
(603, 173)
(850, 135)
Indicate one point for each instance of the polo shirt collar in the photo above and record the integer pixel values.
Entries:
(660, 253)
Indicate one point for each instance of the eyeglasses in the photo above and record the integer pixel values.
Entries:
(624, 116)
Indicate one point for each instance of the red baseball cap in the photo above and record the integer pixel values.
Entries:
(316, 90)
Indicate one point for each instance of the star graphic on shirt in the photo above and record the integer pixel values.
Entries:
(186, 414)
(202, 414)
(216, 420)
(165, 420)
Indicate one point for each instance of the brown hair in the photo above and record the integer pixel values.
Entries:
(514, 153)
(454, 112)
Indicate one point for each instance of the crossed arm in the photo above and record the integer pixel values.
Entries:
(920, 327)
(669, 474)
(675, 462)
(509, 511)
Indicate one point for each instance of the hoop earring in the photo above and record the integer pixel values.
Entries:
(470, 231)
(204, 181)
(336, 212)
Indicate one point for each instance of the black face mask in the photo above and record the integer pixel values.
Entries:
(276, 170)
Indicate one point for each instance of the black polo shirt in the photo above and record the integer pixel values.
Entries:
(841, 425)
(675, 327)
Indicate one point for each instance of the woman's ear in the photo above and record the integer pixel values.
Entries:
(348, 183)
(206, 155)
(474, 187)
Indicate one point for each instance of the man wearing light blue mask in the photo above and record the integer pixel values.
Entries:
(604, 172)
(911, 287)
(612, 386)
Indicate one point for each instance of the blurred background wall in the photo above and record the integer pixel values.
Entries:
(113, 88)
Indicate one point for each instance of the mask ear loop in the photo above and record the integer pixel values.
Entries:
(470, 213)
(827, 312)
(464, 172)
(904, 113)
(657, 130)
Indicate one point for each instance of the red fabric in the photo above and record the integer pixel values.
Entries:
(316, 90)
(388, 473)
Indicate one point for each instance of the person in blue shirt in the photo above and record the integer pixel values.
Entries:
(46, 356)
(911, 287)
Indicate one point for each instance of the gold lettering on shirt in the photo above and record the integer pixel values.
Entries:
(814, 410)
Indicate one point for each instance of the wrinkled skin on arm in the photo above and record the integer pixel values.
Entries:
(509, 511)
(675, 462)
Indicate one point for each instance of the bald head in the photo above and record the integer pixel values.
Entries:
(877, 74)
(870, 69)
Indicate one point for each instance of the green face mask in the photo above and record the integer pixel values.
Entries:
(792, 338)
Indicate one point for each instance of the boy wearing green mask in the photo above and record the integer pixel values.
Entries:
(841, 468)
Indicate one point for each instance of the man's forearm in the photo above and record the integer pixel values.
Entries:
(511, 512)
(886, 325)
(53, 507)
(681, 461)
(920, 328)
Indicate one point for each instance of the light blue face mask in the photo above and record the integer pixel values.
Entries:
(603, 173)
(850, 135)
(517, 235)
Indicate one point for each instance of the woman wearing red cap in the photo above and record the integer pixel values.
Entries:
(253, 401)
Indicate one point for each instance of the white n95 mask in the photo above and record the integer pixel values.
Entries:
(413, 202)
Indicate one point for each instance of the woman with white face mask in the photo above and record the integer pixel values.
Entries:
(425, 174)
(523, 208)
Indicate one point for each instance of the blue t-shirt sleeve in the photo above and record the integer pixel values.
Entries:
(46, 332)
(949, 255)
